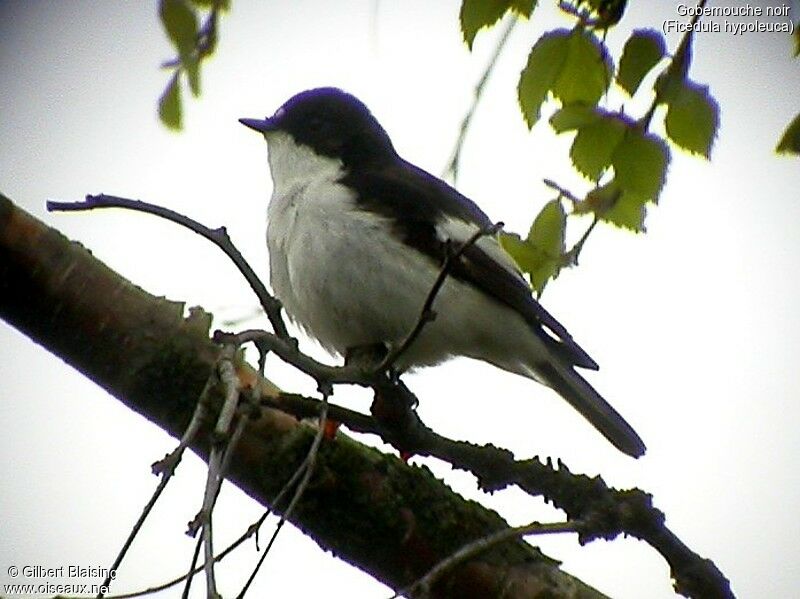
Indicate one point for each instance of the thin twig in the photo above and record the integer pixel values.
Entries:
(218, 236)
(238, 432)
(309, 463)
(325, 376)
(220, 445)
(455, 157)
(424, 584)
(207, 531)
(571, 256)
(307, 407)
(227, 376)
(206, 37)
(166, 468)
(287, 351)
(562, 191)
(427, 314)
(678, 62)
(189, 577)
(251, 530)
(208, 539)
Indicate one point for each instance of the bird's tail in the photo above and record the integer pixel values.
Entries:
(563, 379)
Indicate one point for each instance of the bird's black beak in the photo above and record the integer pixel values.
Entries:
(260, 125)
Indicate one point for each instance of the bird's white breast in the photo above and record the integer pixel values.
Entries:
(334, 267)
(348, 281)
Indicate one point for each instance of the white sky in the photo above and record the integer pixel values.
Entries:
(694, 324)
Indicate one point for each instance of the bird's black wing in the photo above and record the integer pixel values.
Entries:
(416, 203)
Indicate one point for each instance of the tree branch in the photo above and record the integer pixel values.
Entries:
(218, 237)
(604, 512)
(373, 510)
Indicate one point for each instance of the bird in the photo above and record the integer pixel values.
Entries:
(357, 236)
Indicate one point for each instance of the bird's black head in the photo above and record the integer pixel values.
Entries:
(331, 122)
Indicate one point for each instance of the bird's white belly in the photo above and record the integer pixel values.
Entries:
(339, 274)
(349, 282)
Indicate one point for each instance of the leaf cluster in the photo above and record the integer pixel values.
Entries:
(571, 72)
(568, 71)
(193, 43)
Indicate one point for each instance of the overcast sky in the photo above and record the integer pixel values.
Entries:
(694, 324)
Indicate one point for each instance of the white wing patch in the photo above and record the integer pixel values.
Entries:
(460, 231)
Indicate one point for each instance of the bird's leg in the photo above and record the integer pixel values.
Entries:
(361, 356)
(393, 405)
(365, 356)
(393, 408)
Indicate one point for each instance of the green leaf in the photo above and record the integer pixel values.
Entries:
(586, 72)
(547, 235)
(541, 254)
(570, 64)
(643, 50)
(790, 141)
(600, 199)
(613, 205)
(628, 212)
(595, 145)
(599, 135)
(547, 230)
(169, 105)
(670, 82)
(180, 22)
(573, 116)
(640, 164)
(540, 73)
(523, 253)
(692, 118)
(193, 75)
(477, 14)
